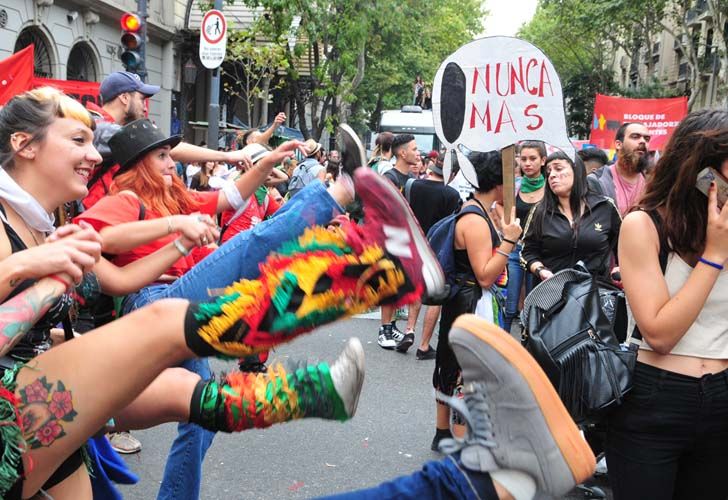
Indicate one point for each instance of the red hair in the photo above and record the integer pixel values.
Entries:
(149, 185)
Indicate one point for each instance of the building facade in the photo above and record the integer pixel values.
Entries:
(80, 40)
(693, 66)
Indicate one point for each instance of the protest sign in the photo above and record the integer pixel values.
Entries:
(660, 116)
(492, 93)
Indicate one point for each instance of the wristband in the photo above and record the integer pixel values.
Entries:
(537, 271)
(58, 279)
(179, 246)
(510, 241)
(501, 252)
(711, 263)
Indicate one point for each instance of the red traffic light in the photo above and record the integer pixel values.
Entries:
(131, 22)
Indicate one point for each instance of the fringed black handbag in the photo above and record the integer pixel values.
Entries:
(571, 338)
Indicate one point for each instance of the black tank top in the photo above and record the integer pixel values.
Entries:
(462, 263)
(37, 340)
(522, 209)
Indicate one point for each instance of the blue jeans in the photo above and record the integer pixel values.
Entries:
(438, 480)
(516, 275)
(237, 259)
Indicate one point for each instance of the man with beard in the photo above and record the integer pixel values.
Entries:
(123, 94)
(624, 180)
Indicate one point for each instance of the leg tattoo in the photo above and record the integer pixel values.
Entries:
(44, 409)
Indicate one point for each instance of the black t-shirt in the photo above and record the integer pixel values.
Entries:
(398, 178)
(431, 201)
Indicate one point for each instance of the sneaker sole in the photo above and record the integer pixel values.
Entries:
(404, 346)
(575, 450)
(355, 350)
(431, 271)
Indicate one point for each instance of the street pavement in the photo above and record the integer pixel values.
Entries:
(389, 436)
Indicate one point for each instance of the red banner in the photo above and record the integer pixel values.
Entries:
(16, 74)
(660, 116)
(81, 91)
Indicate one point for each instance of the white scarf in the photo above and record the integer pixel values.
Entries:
(25, 205)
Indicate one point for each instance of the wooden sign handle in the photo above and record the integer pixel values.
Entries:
(508, 158)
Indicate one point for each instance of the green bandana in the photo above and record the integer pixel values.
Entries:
(529, 185)
(260, 194)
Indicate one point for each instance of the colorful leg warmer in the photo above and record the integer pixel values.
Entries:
(243, 401)
(313, 281)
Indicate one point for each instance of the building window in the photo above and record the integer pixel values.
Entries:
(43, 60)
(81, 64)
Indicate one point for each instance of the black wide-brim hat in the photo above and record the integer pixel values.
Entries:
(136, 139)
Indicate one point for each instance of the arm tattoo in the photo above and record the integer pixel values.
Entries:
(20, 313)
(14, 282)
(44, 411)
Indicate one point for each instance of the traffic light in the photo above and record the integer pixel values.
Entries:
(131, 42)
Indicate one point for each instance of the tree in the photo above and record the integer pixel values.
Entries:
(251, 64)
(360, 53)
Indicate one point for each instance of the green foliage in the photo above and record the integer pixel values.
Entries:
(363, 56)
(251, 65)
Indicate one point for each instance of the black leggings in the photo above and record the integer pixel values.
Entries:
(669, 440)
(447, 368)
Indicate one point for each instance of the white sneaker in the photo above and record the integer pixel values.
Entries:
(347, 373)
(385, 339)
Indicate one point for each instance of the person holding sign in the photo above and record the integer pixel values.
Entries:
(480, 263)
(531, 160)
(570, 224)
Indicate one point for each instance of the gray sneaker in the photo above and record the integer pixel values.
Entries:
(347, 373)
(515, 418)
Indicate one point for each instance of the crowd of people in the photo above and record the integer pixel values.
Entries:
(232, 253)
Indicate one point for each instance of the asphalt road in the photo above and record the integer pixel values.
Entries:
(389, 436)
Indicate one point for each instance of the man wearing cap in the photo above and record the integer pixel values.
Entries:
(431, 200)
(123, 94)
(309, 169)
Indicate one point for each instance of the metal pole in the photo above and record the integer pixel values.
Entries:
(213, 112)
(142, 71)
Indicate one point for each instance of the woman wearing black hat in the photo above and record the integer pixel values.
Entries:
(47, 154)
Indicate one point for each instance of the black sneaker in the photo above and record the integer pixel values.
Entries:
(252, 366)
(352, 152)
(385, 339)
(440, 434)
(397, 334)
(430, 353)
(407, 340)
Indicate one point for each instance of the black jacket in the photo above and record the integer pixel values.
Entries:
(559, 246)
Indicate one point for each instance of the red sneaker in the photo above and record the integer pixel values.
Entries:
(389, 221)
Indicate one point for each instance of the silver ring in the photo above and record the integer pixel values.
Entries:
(204, 240)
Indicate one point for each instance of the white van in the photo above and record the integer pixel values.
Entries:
(411, 120)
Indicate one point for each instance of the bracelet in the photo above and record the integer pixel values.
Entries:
(170, 229)
(179, 246)
(58, 279)
(510, 241)
(501, 252)
(711, 263)
(537, 271)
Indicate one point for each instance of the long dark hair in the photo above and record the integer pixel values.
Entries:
(549, 204)
(699, 141)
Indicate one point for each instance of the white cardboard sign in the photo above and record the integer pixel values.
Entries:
(213, 39)
(494, 92)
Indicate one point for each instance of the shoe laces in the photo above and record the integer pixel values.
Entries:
(475, 411)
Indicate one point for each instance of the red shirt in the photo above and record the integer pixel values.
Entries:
(252, 215)
(121, 208)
